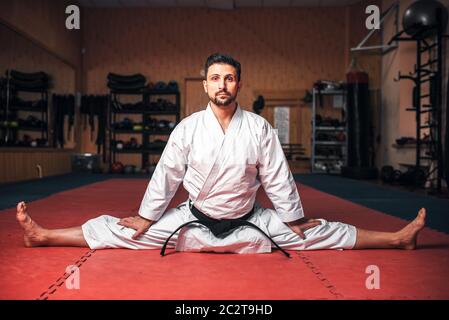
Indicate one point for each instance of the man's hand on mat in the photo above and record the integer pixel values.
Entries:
(141, 225)
(303, 224)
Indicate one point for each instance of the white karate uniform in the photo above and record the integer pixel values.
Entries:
(222, 173)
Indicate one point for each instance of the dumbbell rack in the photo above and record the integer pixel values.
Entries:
(329, 161)
(7, 107)
(148, 112)
(148, 148)
(427, 104)
(114, 96)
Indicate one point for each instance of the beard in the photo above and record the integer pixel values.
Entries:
(223, 100)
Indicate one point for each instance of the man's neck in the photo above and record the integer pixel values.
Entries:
(224, 114)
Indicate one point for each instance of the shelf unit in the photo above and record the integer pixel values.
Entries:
(336, 156)
(9, 126)
(147, 147)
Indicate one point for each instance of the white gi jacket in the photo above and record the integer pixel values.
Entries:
(222, 172)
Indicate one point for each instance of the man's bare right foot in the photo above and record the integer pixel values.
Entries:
(34, 235)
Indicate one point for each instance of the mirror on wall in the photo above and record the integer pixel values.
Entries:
(37, 105)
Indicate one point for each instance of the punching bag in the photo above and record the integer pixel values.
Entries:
(358, 125)
(446, 138)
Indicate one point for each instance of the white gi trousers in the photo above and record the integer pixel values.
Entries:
(103, 232)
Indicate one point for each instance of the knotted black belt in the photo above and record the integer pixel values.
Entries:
(219, 227)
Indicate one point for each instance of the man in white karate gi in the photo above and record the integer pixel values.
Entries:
(221, 155)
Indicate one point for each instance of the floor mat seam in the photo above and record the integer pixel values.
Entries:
(58, 283)
(320, 276)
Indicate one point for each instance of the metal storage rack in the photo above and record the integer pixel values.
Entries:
(427, 101)
(336, 156)
(148, 148)
(9, 112)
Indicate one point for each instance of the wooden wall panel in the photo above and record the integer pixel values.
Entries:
(368, 61)
(20, 164)
(195, 99)
(280, 49)
(300, 126)
(306, 129)
(44, 22)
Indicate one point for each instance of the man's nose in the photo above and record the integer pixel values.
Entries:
(221, 84)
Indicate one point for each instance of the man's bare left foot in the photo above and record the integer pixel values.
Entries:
(407, 237)
(34, 235)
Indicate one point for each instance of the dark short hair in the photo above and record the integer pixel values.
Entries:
(225, 59)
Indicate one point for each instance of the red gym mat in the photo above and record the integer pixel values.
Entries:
(40, 273)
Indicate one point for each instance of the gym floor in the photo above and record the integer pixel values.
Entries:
(395, 201)
(74, 198)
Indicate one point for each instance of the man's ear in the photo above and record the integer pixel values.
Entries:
(205, 85)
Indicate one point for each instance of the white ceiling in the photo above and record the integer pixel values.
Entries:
(216, 4)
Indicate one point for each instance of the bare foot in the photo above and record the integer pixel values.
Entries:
(34, 235)
(406, 238)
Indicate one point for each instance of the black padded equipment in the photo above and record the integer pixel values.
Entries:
(32, 76)
(387, 174)
(446, 138)
(259, 104)
(359, 164)
(118, 78)
(420, 18)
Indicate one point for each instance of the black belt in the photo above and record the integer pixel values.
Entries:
(219, 227)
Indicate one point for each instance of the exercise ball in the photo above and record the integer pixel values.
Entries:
(420, 18)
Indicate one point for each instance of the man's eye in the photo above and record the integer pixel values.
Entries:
(230, 79)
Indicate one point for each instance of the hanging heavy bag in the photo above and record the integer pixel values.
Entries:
(358, 123)
(446, 138)
(358, 119)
